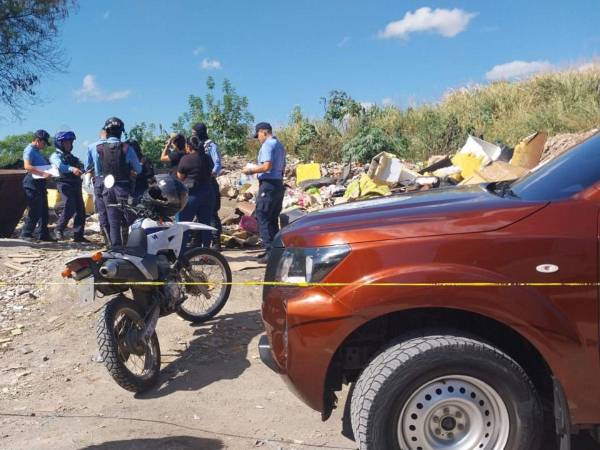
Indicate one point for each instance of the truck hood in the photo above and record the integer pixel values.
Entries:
(456, 210)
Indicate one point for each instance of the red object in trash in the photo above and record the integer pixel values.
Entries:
(249, 224)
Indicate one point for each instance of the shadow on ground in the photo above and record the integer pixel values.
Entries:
(52, 246)
(218, 351)
(167, 443)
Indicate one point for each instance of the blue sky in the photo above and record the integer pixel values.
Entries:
(140, 59)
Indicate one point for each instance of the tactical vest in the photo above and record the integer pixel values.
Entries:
(73, 161)
(112, 155)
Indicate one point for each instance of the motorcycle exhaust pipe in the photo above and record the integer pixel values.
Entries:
(109, 269)
(118, 269)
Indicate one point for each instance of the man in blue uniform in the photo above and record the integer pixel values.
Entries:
(35, 188)
(94, 165)
(119, 160)
(69, 184)
(271, 166)
(212, 150)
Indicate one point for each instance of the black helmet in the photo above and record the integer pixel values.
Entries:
(166, 197)
(114, 126)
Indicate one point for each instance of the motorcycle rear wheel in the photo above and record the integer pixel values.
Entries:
(204, 301)
(133, 364)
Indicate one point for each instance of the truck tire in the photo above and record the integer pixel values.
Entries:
(438, 392)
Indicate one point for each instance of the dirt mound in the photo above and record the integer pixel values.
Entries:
(557, 145)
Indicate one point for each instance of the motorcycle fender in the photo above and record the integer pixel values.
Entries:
(87, 290)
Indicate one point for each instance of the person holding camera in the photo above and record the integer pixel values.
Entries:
(173, 151)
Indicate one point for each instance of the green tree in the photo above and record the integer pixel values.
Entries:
(227, 118)
(28, 50)
(11, 150)
(339, 106)
(150, 141)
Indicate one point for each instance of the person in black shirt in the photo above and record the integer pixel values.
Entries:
(194, 170)
(174, 155)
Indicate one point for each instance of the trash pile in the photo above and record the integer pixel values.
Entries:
(557, 145)
(313, 186)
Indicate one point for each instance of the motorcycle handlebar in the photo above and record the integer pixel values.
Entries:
(139, 211)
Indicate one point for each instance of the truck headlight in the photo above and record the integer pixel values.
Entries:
(309, 265)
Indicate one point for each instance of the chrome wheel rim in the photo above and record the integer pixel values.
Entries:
(454, 412)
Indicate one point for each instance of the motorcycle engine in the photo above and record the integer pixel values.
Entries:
(171, 292)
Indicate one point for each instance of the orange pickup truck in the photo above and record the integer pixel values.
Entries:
(462, 318)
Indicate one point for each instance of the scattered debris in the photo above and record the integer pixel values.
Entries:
(528, 152)
(26, 350)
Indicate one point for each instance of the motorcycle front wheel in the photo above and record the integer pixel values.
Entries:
(133, 363)
(205, 275)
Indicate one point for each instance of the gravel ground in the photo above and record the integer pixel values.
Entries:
(214, 391)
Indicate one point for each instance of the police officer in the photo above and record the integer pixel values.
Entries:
(271, 165)
(93, 165)
(195, 171)
(69, 184)
(212, 150)
(118, 159)
(35, 188)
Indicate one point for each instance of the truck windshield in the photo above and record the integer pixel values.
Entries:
(563, 177)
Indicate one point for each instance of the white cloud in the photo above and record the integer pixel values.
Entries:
(106, 15)
(517, 69)
(387, 101)
(592, 65)
(198, 50)
(211, 64)
(91, 92)
(344, 42)
(447, 22)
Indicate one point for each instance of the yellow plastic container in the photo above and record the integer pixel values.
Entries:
(88, 201)
(53, 198)
(468, 163)
(305, 172)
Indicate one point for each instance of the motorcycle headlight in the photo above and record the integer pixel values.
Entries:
(309, 265)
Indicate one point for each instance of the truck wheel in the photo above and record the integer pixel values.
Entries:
(445, 392)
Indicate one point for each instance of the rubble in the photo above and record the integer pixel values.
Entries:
(312, 186)
(560, 143)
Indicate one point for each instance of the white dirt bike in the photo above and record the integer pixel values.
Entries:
(163, 277)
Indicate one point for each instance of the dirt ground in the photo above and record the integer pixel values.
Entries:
(214, 391)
